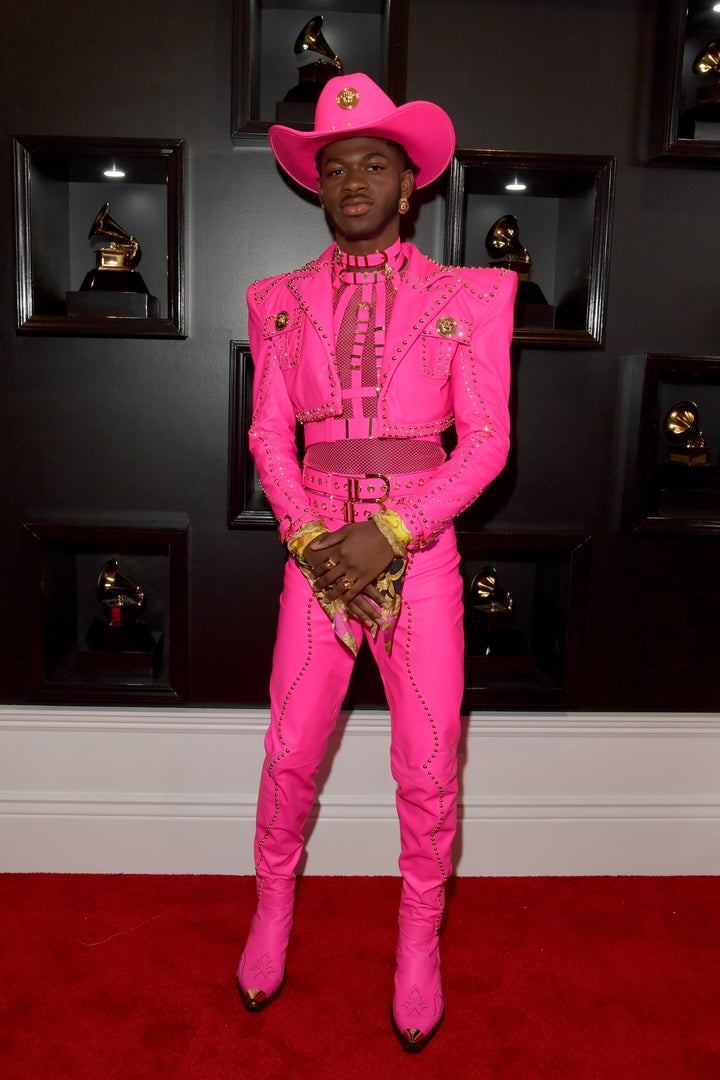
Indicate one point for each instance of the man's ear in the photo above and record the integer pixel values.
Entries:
(407, 182)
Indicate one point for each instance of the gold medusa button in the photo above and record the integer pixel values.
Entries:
(446, 326)
(281, 320)
(348, 97)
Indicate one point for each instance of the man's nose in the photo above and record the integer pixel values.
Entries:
(355, 179)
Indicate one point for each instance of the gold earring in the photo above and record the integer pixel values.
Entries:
(403, 206)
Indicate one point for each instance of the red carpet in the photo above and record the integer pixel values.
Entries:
(130, 977)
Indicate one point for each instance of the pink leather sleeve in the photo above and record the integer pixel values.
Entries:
(480, 384)
(272, 433)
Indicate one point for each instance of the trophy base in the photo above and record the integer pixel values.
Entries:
(674, 475)
(708, 95)
(496, 636)
(690, 456)
(502, 643)
(295, 112)
(298, 105)
(140, 656)
(123, 637)
(688, 492)
(113, 280)
(127, 305)
(537, 316)
(531, 307)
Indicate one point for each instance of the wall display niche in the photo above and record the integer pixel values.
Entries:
(524, 602)
(108, 612)
(676, 482)
(247, 505)
(548, 217)
(685, 117)
(99, 236)
(284, 51)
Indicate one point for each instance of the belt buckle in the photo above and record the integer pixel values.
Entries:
(386, 481)
(353, 494)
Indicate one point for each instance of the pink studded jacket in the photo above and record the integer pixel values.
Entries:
(446, 361)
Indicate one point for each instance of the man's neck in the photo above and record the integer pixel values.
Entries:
(366, 246)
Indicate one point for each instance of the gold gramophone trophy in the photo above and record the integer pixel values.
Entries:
(702, 120)
(503, 245)
(114, 287)
(688, 445)
(493, 631)
(687, 484)
(298, 104)
(114, 264)
(707, 62)
(120, 629)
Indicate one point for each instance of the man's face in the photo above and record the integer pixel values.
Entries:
(360, 183)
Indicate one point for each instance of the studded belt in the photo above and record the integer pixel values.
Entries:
(356, 498)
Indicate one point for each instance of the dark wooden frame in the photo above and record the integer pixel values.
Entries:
(163, 155)
(646, 512)
(666, 145)
(68, 540)
(557, 174)
(247, 506)
(246, 123)
(537, 681)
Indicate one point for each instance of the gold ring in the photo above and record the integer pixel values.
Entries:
(329, 564)
(346, 583)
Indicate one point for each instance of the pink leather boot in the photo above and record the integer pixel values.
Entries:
(261, 971)
(424, 680)
(417, 1007)
(426, 802)
(309, 679)
(427, 812)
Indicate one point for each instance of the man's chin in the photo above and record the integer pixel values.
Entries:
(360, 232)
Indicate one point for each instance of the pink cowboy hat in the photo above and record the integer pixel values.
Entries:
(353, 105)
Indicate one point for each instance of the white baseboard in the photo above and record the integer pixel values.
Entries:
(90, 790)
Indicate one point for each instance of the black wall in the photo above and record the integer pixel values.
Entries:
(529, 75)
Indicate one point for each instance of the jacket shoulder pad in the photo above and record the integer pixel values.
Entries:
(261, 289)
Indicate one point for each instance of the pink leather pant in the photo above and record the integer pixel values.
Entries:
(423, 681)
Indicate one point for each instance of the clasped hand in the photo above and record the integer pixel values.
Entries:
(357, 553)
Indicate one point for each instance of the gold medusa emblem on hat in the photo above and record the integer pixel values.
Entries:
(348, 97)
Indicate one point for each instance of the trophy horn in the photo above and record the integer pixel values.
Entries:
(503, 237)
(708, 59)
(105, 225)
(311, 39)
(681, 422)
(115, 590)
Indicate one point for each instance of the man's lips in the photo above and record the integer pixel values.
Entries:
(353, 209)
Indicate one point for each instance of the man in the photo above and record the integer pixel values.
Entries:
(376, 350)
